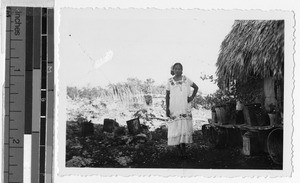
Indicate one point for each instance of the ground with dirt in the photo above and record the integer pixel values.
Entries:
(149, 148)
(151, 151)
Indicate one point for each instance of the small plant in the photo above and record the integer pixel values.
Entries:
(220, 98)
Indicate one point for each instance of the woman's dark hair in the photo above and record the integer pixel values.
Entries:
(172, 68)
(172, 71)
(178, 64)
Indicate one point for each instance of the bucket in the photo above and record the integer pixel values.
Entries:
(87, 129)
(206, 131)
(134, 126)
(219, 137)
(234, 137)
(225, 113)
(109, 125)
(250, 144)
(275, 145)
(274, 119)
(239, 117)
(255, 116)
(215, 136)
(263, 138)
(230, 112)
(214, 117)
(221, 114)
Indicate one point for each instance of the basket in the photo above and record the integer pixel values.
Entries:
(275, 145)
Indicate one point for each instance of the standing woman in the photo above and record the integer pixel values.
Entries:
(178, 108)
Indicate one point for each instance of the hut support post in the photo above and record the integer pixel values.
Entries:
(269, 91)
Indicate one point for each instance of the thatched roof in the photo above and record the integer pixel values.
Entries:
(252, 48)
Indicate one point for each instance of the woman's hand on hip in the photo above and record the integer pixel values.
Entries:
(190, 99)
(168, 112)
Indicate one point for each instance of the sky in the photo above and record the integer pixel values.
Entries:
(110, 46)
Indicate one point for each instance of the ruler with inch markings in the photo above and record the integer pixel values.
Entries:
(29, 95)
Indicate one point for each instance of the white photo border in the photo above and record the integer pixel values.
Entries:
(60, 119)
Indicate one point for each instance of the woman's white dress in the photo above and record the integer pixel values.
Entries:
(180, 127)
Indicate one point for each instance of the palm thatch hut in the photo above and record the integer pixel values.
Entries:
(253, 53)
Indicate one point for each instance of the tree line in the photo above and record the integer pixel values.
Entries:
(132, 86)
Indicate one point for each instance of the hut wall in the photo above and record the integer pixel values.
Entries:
(269, 92)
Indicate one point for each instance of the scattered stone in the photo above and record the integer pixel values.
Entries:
(140, 138)
(124, 160)
(141, 135)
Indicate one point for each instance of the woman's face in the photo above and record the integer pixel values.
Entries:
(177, 70)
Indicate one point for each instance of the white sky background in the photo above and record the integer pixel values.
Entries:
(142, 44)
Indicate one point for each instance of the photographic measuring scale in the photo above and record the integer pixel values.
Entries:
(28, 95)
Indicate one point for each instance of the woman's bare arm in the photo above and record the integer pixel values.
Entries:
(191, 98)
(168, 103)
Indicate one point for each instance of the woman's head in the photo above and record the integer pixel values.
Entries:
(177, 69)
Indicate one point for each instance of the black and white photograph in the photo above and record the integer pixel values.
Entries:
(149, 91)
(173, 89)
